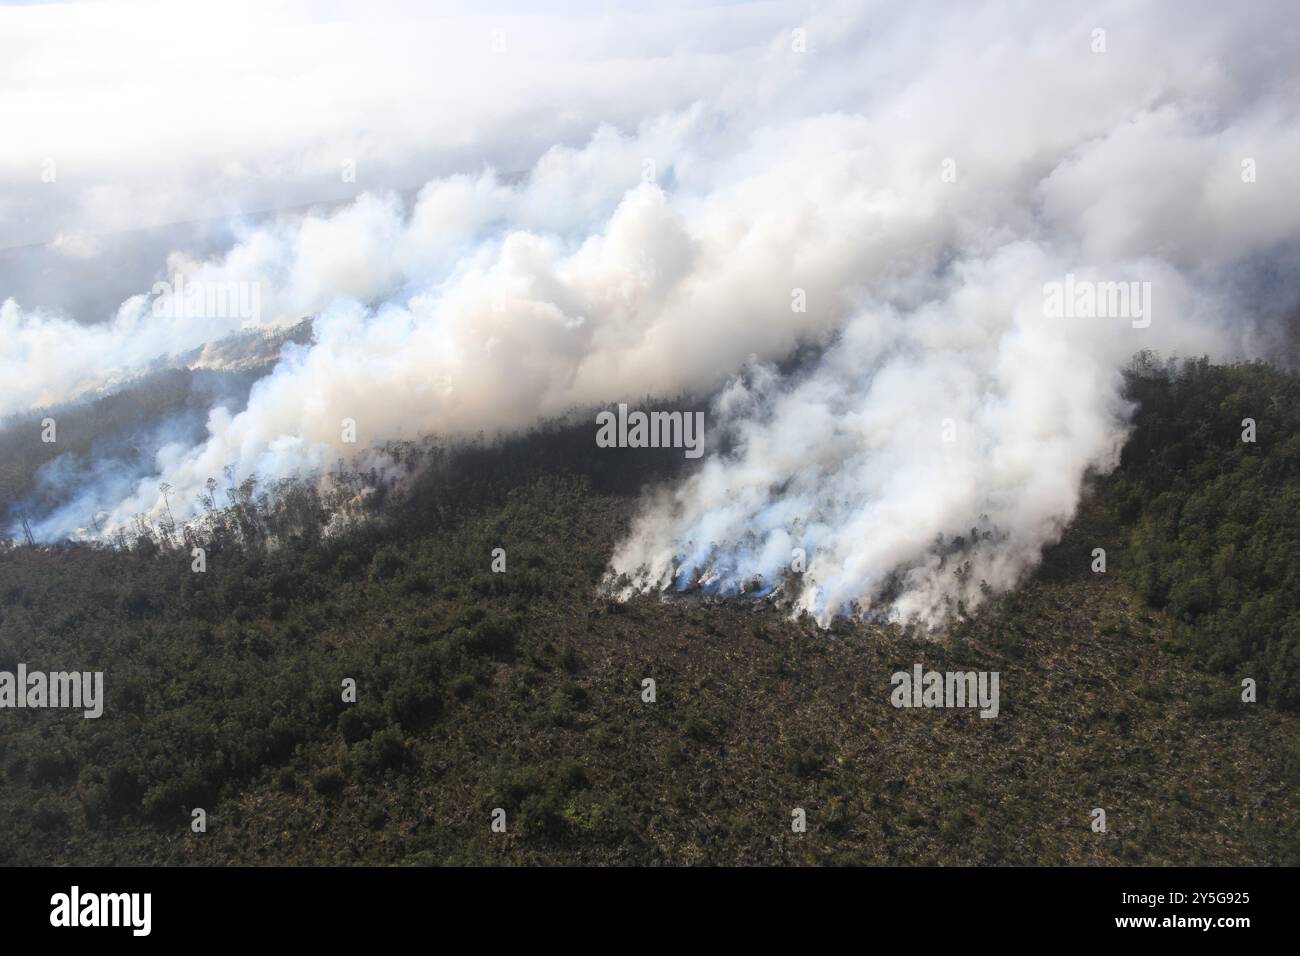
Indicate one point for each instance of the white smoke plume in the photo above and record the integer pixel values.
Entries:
(915, 177)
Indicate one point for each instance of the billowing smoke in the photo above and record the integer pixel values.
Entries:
(899, 191)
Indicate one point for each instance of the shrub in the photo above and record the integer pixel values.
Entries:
(496, 635)
(329, 782)
(542, 815)
(573, 776)
(957, 827)
(387, 563)
(386, 750)
(413, 702)
(353, 725)
(124, 789)
(53, 766)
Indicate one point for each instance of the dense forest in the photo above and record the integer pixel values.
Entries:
(1210, 481)
(522, 689)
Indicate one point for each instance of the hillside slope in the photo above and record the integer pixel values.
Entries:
(522, 690)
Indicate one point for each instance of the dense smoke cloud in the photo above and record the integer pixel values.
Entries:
(915, 180)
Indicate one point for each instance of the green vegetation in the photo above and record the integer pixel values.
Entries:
(522, 690)
(1217, 539)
